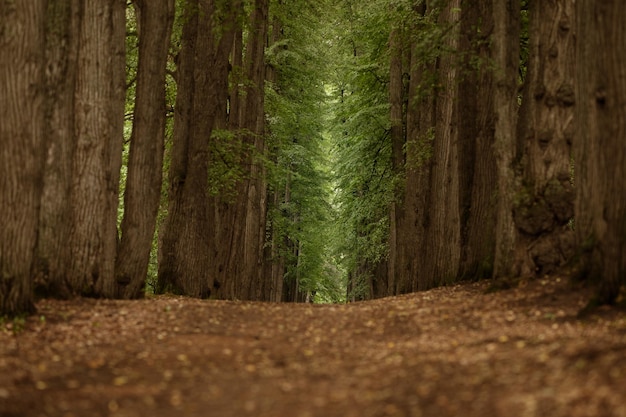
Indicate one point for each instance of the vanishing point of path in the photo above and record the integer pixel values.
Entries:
(455, 351)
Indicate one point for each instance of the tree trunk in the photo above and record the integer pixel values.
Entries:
(54, 224)
(99, 115)
(416, 171)
(143, 186)
(505, 44)
(443, 238)
(544, 205)
(185, 260)
(600, 153)
(253, 206)
(396, 211)
(477, 164)
(22, 26)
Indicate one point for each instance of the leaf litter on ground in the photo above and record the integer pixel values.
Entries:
(451, 351)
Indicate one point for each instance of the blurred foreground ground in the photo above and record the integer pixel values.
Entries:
(455, 351)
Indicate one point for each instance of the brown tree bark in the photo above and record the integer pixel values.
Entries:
(22, 26)
(600, 153)
(443, 235)
(185, 261)
(412, 224)
(275, 265)
(245, 258)
(99, 116)
(505, 44)
(545, 204)
(397, 134)
(477, 164)
(143, 186)
(54, 223)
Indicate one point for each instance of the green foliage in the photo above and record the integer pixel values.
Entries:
(298, 175)
(361, 153)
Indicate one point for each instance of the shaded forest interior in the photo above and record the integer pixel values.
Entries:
(308, 151)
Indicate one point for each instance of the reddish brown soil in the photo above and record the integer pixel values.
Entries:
(454, 351)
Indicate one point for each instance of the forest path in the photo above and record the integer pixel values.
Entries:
(454, 351)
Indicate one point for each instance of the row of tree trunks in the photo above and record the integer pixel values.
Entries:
(83, 116)
(460, 189)
(240, 222)
(449, 170)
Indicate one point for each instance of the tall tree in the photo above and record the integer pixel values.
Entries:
(143, 184)
(54, 223)
(207, 40)
(420, 111)
(600, 153)
(544, 205)
(98, 126)
(397, 48)
(478, 176)
(443, 235)
(22, 26)
(505, 44)
(254, 205)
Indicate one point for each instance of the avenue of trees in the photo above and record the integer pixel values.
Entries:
(294, 150)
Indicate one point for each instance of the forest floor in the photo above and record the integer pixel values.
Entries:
(453, 351)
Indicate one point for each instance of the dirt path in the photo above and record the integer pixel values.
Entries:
(448, 352)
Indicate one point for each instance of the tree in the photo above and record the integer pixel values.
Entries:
(600, 153)
(98, 126)
(505, 44)
(442, 246)
(544, 205)
(478, 171)
(143, 185)
(418, 149)
(252, 205)
(202, 93)
(61, 38)
(22, 27)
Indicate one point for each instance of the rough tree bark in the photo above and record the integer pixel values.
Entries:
(22, 26)
(185, 261)
(420, 121)
(505, 44)
(143, 186)
(443, 238)
(61, 40)
(98, 126)
(600, 153)
(245, 217)
(544, 205)
(477, 163)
